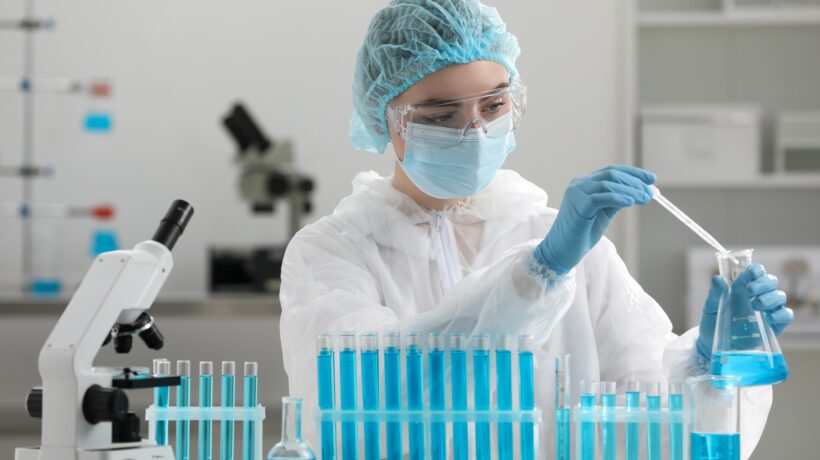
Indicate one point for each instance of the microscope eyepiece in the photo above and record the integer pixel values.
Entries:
(173, 224)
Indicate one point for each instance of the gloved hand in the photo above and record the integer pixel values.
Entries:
(755, 286)
(589, 205)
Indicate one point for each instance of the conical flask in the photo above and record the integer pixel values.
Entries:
(291, 445)
(745, 345)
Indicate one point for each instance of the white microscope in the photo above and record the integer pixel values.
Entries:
(83, 408)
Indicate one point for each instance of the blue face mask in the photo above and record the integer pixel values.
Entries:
(445, 165)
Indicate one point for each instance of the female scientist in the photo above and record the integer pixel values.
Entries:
(450, 242)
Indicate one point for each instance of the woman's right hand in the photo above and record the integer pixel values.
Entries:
(589, 204)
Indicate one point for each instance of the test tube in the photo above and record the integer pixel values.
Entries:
(347, 375)
(249, 401)
(369, 346)
(415, 389)
(226, 432)
(587, 439)
(609, 434)
(675, 427)
(653, 438)
(503, 376)
(162, 368)
(563, 401)
(714, 417)
(633, 429)
(526, 395)
(206, 399)
(184, 400)
(458, 388)
(392, 391)
(327, 392)
(435, 361)
(481, 393)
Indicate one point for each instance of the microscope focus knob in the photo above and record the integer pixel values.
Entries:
(104, 404)
(34, 402)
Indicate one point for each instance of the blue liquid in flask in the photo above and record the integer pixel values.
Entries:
(753, 368)
(706, 446)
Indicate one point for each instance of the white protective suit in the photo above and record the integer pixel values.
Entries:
(383, 262)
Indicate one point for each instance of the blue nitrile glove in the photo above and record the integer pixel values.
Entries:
(757, 287)
(589, 205)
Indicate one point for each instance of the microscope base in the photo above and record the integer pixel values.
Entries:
(131, 452)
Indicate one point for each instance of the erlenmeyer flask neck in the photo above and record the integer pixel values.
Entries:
(733, 263)
(291, 419)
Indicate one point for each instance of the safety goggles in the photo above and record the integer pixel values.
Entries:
(495, 113)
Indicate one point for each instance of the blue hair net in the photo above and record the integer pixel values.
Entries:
(410, 39)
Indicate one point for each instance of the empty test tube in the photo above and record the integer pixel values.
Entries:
(526, 395)
(563, 401)
(415, 390)
(184, 400)
(587, 439)
(369, 346)
(327, 390)
(675, 427)
(435, 361)
(481, 393)
(609, 437)
(633, 429)
(653, 437)
(347, 375)
(392, 391)
(458, 388)
(206, 399)
(249, 400)
(226, 431)
(162, 368)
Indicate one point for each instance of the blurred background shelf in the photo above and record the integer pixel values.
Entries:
(789, 17)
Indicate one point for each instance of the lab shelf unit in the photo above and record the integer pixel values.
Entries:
(717, 56)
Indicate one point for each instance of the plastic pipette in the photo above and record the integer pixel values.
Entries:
(675, 211)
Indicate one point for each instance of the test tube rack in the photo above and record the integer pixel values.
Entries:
(425, 406)
(161, 414)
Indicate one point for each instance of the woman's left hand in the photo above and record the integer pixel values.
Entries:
(757, 288)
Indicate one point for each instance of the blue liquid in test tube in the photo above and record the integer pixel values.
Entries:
(503, 376)
(588, 391)
(249, 400)
(458, 388)
(162, 367)
(435, 360)
(481, 393)
(206, 399)
(609, 437)
(327, 392)
(526, 395)
(633, 429)
(184, 400)
(369, 346)
(563, 401)
(676, 428)
(347, 376)
(226, 431)
(392, 391)
(415, 393)
(653, 438)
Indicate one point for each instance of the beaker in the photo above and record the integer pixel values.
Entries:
(714, 417)
(291, 445)
(745, 345)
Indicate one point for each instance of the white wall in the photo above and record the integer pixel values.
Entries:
(178, 65)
